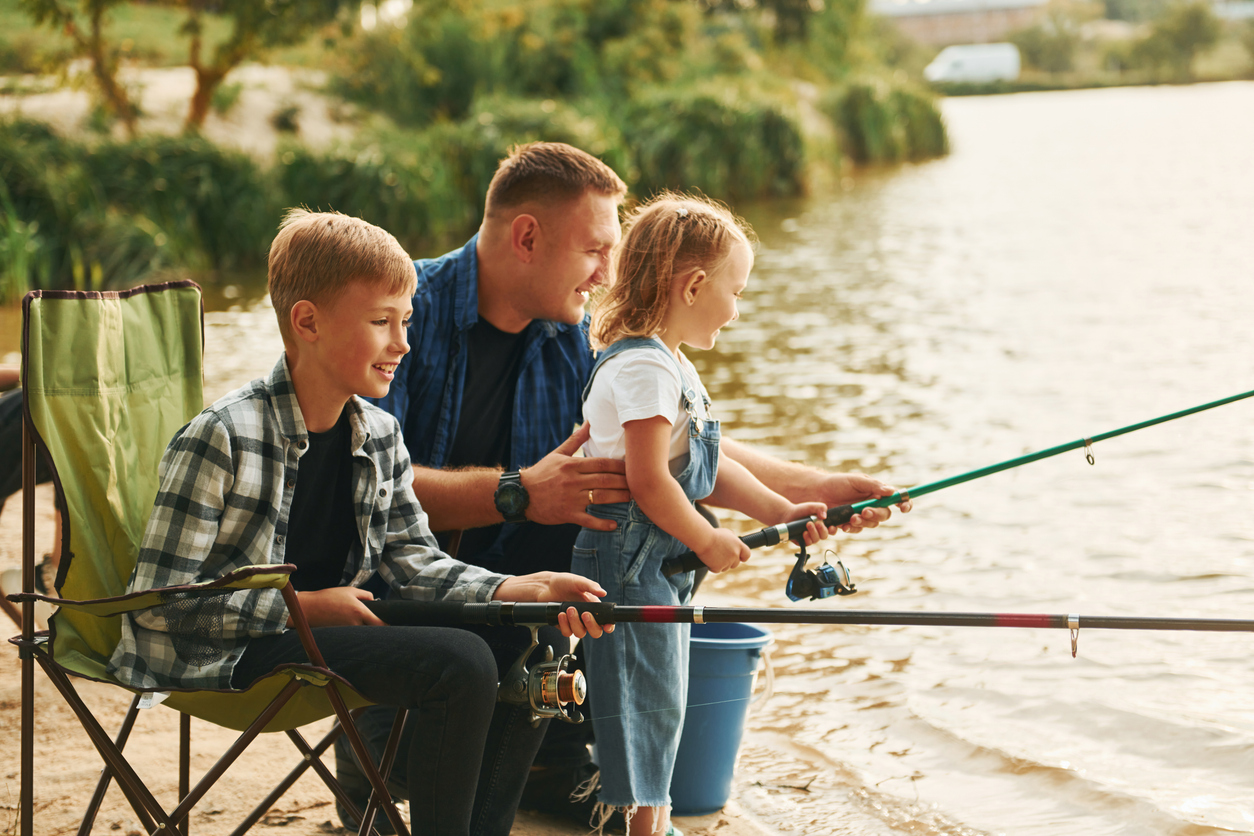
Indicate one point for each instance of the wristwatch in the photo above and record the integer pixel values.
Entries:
(511, 497)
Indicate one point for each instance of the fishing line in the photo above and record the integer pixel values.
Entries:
(659, 710)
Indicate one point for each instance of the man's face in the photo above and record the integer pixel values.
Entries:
(573, 256)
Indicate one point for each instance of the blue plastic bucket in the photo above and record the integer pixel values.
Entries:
(722, 661)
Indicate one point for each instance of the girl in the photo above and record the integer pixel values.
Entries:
(682, 264)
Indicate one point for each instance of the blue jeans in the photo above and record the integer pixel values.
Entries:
(638, 673)
(464, 757)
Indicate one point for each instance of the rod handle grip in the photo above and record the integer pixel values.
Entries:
(402, 612)
(688, 561)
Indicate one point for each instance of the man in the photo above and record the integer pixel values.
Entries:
(491, 390)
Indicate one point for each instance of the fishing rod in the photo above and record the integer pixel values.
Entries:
(840, 515)
(506, 614)
(510, 614)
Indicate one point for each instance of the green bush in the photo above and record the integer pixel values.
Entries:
(1185, 31)
(212, 207)
(429, 69)
(729, 146)
(427, 188)
(1049, 46)
(114, 214)
(883, 123)
(401, 187)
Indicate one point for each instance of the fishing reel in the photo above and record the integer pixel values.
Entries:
(814, 584)
(546, 688)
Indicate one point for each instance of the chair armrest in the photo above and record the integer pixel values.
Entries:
(253, 577)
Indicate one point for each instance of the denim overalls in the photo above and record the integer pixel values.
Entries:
(638, 675)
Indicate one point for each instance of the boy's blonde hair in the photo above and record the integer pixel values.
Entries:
(669, 237)
(317, 254)
(548, 173)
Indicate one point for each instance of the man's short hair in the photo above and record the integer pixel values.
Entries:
(317, 254)
(548, 173)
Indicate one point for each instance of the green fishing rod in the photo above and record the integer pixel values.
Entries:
(840, 515)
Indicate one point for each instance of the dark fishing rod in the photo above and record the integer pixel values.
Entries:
(842, 514)
(507, 614)
(498, 613)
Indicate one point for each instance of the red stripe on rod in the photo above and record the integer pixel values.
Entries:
(1022, 619)
(657, 615)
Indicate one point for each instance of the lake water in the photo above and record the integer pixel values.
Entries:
(1081, 262)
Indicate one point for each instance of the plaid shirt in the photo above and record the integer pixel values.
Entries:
(426, 396)
(227, 481)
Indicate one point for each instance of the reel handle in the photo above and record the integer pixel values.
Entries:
(688, 561)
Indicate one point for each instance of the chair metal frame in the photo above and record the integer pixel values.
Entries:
(34, 648)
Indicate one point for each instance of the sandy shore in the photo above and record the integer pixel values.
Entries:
(67, 765)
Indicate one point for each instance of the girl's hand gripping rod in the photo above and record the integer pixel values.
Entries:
(839, 516)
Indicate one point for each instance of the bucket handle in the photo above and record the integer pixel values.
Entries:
(757, 701)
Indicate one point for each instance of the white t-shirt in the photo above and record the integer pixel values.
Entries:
(633, 385)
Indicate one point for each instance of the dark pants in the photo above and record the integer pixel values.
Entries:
(464, 758)
(11, 447)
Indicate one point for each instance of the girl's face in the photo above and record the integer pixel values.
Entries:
(713, 298)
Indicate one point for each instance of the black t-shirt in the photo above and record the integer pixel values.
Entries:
(321, 525)
(485, 428)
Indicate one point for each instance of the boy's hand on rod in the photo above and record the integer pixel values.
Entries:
(540, 587)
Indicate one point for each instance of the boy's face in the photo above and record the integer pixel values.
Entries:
(363, 337)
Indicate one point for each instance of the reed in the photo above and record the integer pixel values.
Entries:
(883, 122)
(729, 146)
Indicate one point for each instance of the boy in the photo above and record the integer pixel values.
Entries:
(296, 468)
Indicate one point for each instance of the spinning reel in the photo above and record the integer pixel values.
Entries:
(547, 687)
(825, 582)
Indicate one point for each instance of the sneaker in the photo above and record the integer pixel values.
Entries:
(567, 792)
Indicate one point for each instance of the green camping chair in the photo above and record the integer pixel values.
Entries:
(109, 378)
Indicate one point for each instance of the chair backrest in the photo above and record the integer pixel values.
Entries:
(108, 379)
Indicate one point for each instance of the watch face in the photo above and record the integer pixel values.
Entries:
(511, 499)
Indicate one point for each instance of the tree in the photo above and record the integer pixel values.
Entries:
(1177, 38)
(256, 25)
(84, 24)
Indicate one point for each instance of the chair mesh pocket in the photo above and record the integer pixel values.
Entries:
(194, 623)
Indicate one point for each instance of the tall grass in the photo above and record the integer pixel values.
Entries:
(728, 146)
(74, 215)
(883, 122)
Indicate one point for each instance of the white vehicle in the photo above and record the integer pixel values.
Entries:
(975, 63)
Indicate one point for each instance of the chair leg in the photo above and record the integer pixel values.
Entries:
(136, 792)
(237, 748)
(310, 758)
(26, 794)
(385, 769)
(341, 710)
(185, 765)
(106, 778)
(363, 757)
(26, 798)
